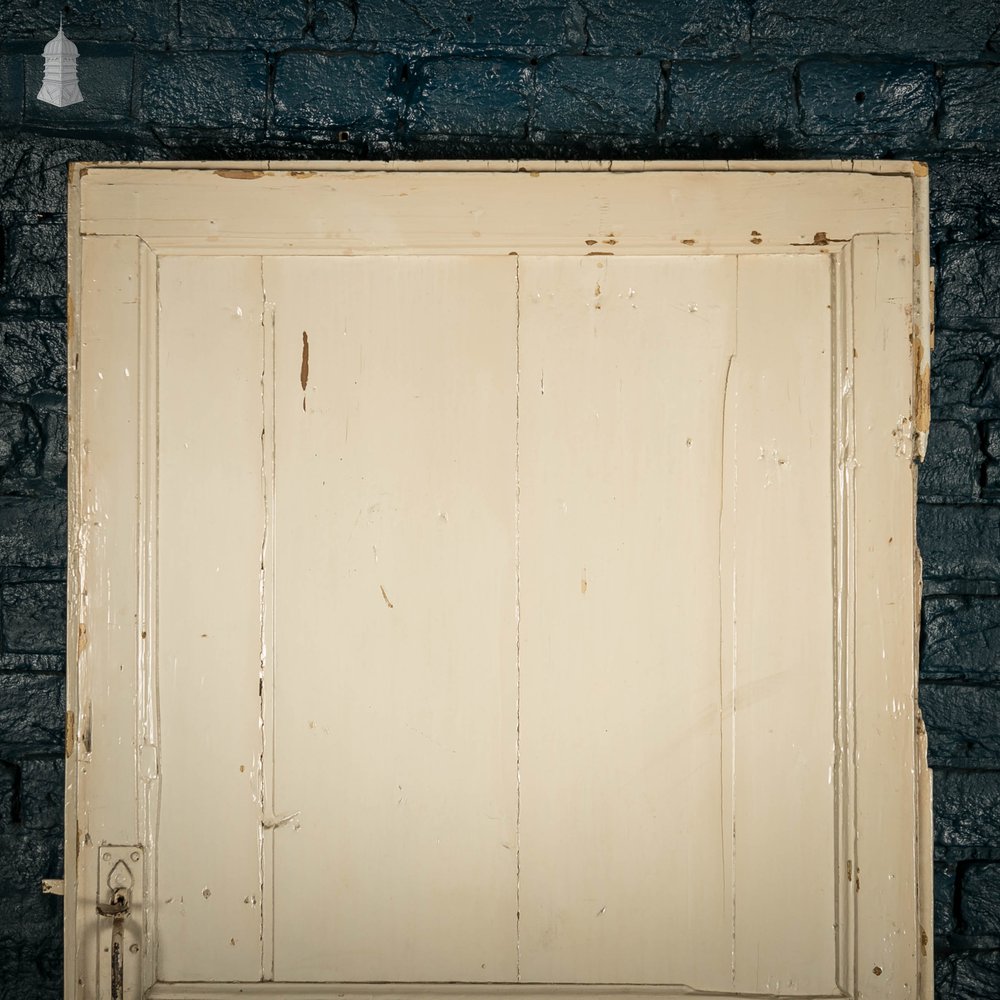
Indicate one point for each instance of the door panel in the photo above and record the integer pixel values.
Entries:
(394, 692)
(623, 376)
(497, 583)
(211, 524)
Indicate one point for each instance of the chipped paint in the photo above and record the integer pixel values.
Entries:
(240, 175)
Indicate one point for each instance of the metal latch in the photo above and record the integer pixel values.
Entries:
(120, 872)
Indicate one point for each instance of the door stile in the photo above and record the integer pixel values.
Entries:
(843, 465)
(269, 822)
(147, 639)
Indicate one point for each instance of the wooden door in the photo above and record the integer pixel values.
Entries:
(496, 580)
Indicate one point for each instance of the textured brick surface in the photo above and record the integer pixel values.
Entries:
(730, 98)
(31, 957)
(954, 459)
(602, 96)
(31, 617)
(967, 808)
(41, 794)
(968, 279)
(472, 97)
(906, 27)
(963, 724)
(960, 542)
(972, 976)
(961, 639)
(198, 90)
(650, 27)
(222, 22)
(314, 90)
(844, 99)
(980, 899)
(447, 25)
(970, 100)
(32, 715)
(144, 20)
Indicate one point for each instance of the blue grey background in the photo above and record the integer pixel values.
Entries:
(340, 79)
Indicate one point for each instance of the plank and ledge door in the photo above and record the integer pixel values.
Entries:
(461, 560)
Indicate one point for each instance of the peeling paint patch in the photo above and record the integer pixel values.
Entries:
(385, 597)
(239, 175)
(304, 368)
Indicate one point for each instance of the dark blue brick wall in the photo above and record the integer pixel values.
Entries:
(236, 79)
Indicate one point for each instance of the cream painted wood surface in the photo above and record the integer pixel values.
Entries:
(498, 578)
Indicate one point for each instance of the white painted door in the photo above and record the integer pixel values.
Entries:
(493, 580)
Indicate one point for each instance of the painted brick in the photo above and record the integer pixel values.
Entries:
(692, 28)
(10, 779)
(21, 448)
(839, 98)
(963, 724)
(315, 90)
(967, 808)
(970, 100)
(967, 282)
(42, 794)
(466, 96)
(332, 20)
(106, 85)
(32, 715)
(957, 383)
(964, 372)
(972, 976)
(33, 167)
(32, 533)
(965, 199)
(11, 89)
(35, 258)
(909, 27)
(208, 90)
(951, 468)
(220, 22)
(51, 474)
(960, 542)
(980, 898)
(34, 357)
(945, 878)
(731, 98)
(600, 96)
(33, 617)
(446, 25)
(31, 959)
(25, 859)
(961, 639)
(89, 19)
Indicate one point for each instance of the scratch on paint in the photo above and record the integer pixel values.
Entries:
(385, 596)
(304, 369)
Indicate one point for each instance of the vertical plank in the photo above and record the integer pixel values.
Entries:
(209, 601)
(888, 936)
(780, 531)
(623, 839)
(394, 683)
(103, 563)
